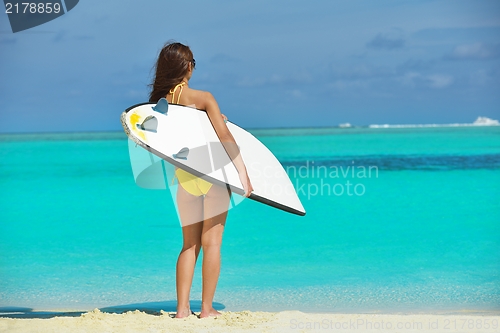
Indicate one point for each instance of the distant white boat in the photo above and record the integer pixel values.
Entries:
(480, 121)
(345, 125)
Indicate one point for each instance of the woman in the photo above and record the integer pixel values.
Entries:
(202, 206)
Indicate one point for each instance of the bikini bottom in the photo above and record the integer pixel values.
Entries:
(192, 184)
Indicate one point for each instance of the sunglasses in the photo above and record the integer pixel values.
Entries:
(193, 62)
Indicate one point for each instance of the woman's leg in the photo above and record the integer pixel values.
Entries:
(216, 203)
(191, 214)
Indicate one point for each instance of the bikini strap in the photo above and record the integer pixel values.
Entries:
(173, 90)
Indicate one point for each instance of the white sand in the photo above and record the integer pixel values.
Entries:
(246, 321)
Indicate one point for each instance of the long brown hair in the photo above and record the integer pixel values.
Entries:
(171, 67)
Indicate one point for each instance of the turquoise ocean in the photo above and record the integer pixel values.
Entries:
(398, 220)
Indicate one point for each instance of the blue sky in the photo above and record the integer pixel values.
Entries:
(268, 63)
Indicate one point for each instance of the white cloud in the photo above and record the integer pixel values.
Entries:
(364, 71)
(439, 80)
(296, 93)
(476, 51)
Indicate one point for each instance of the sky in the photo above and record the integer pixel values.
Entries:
(268, 63)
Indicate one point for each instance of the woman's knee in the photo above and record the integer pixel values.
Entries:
(211, 241)
(194, 247)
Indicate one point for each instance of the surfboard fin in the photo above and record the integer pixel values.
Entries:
(182, 154)
(149, 124)
(161, 106)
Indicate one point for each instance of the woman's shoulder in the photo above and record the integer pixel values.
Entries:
(201, 94)
(201, 98)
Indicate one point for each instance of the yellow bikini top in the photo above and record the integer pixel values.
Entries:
(172, 91)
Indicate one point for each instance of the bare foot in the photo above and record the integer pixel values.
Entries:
(209, 313)
(183, 313)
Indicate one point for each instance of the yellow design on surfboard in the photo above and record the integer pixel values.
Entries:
(134, 120)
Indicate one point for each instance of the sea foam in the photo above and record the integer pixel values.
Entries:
(480, 121)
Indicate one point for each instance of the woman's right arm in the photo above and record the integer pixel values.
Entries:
(227, 140)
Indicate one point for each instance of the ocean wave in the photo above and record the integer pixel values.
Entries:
(480, 121)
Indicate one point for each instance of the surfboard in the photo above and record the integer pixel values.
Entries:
(184, 137)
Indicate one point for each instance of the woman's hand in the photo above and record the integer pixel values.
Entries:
(247, 185)
(224, 117)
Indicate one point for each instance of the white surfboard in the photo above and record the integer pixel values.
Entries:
(184, 137)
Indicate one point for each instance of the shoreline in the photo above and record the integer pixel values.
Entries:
(13, 313)
(33, 310)
(255, 321)
(170, 307)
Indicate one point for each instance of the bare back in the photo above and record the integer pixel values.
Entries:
(189, 97)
